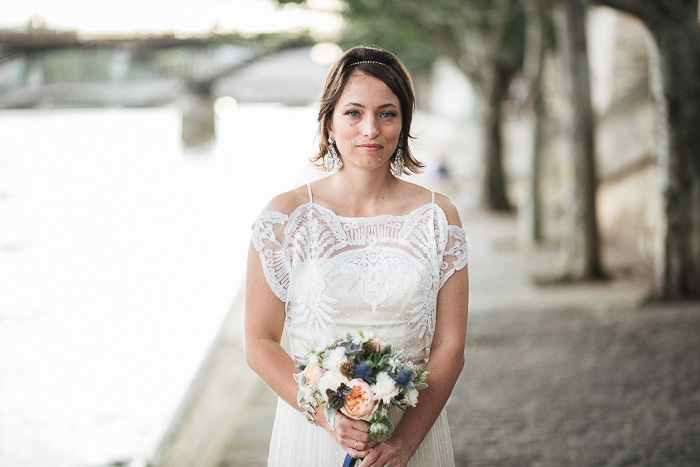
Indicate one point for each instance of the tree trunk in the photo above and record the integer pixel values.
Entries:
(583, 245)
(531, 213)
(674, 69)
(675, 72)
(494, 191)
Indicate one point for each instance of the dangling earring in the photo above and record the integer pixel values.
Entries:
(397, 169)
(332, 162)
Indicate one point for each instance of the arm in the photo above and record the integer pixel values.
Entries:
(264, 324)
(263, 327)
(264, 309)
(446, 363)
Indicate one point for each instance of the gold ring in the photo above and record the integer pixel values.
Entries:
(355, 446)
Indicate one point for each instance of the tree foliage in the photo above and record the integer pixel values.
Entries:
(483, 38)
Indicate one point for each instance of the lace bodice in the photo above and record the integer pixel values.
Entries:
(338, 274)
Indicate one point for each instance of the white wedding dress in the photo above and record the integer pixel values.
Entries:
(337, 274)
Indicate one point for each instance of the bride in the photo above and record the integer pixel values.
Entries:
(360, 249)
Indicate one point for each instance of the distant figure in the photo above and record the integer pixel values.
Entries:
(443, 169)
(359, 250)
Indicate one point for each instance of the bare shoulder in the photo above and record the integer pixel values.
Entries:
(413, 195)
(417, 192)
(287, 202)
(449, 208)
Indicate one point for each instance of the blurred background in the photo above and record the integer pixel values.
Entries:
(140, 140)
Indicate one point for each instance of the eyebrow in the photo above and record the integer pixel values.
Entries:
(383, 106)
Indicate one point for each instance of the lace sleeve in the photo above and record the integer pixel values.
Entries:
(455, 255)
(268, 240)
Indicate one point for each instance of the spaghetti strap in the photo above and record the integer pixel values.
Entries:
(431, 192)
(308, 187)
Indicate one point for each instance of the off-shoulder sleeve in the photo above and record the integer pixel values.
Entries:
(456, 253)
(268, 240)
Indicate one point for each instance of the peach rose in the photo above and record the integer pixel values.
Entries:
(312, 373)
(360, 403)
(379, 344)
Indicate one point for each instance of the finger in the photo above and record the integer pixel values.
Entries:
(360, 425)
(362, 454)
(359, 450)
(352, 434)
(353, 429)
(381, 456)
(362, 437)
(364, 446)
(372, 459)
(360, 429)
(357, 453)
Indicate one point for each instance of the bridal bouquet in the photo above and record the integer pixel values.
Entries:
(362, 377)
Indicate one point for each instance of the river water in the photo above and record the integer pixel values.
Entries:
(120, 254)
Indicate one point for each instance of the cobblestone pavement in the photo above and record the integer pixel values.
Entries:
(567, 375)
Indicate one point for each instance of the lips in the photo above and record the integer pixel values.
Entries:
(370, 147)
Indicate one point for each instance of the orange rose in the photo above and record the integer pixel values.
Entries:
(360, 403)
(312, 373)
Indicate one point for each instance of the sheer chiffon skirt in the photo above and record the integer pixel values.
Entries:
(297, 443)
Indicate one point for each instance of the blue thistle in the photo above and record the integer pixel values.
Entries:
(364, 370)
(405, 378)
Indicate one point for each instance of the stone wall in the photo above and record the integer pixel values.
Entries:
(627, 197)
(627, 194)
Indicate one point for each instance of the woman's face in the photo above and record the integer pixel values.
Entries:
(366, 122)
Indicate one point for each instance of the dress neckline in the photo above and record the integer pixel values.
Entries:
(367, 218)
(311, 202)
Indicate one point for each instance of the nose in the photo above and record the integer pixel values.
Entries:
(370, 127)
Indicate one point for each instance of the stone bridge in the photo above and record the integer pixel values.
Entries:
(46, 68)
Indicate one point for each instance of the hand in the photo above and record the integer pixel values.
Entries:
(392, 453)
(352, 435)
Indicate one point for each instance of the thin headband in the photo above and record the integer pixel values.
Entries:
(371, 61)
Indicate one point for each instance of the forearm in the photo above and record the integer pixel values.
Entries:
(264, 325)
(274, 366)
(445, 365)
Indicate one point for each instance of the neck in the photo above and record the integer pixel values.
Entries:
(363, 192)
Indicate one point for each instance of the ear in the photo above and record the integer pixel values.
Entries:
(329, 126)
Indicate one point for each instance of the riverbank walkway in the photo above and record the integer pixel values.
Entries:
(566, 375)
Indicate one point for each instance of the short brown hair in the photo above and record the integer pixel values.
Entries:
(384, 66)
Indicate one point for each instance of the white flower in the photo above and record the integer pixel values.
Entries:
(330, 380)
(412, 397)
(313, 358)
(307, 393)
(357, 337)
(335, 358)
(385, 389)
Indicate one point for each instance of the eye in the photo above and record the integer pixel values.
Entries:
(388, 114)
(352, 113)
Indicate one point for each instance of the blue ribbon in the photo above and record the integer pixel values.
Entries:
(350, 461)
